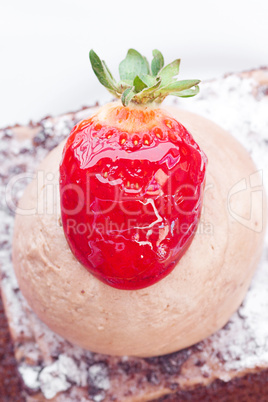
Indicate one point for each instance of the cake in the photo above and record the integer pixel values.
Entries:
(223, 362)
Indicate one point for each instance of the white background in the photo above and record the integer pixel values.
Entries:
(44, 66)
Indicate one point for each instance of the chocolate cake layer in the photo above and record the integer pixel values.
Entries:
(10, 382)
(228, 366)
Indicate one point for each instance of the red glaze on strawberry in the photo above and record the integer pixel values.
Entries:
(131, 194)
(132, 177)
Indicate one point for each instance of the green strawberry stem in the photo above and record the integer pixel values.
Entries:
(141, 83)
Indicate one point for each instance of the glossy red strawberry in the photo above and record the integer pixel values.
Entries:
(131, 183)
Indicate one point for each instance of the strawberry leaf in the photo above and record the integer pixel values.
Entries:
(168, 72)
(126, 82)
(147, 95)
(139, 85)
(187, 93)
(182, 89)
(177, 86)
(102, 73)
(134, 64)
(157, 62)
(123, 85)
(147, 65)
(108, 73)
(127, 95)
(148, 80)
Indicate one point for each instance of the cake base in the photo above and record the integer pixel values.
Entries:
(228, 366)
(10, 382)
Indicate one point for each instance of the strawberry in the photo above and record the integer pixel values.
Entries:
(132, 177)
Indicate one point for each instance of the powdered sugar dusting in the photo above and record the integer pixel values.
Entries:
(55, 367)
(98, 374)
(30, 376)
(59, 376)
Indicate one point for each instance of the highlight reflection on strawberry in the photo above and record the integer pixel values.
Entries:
(132, 177)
